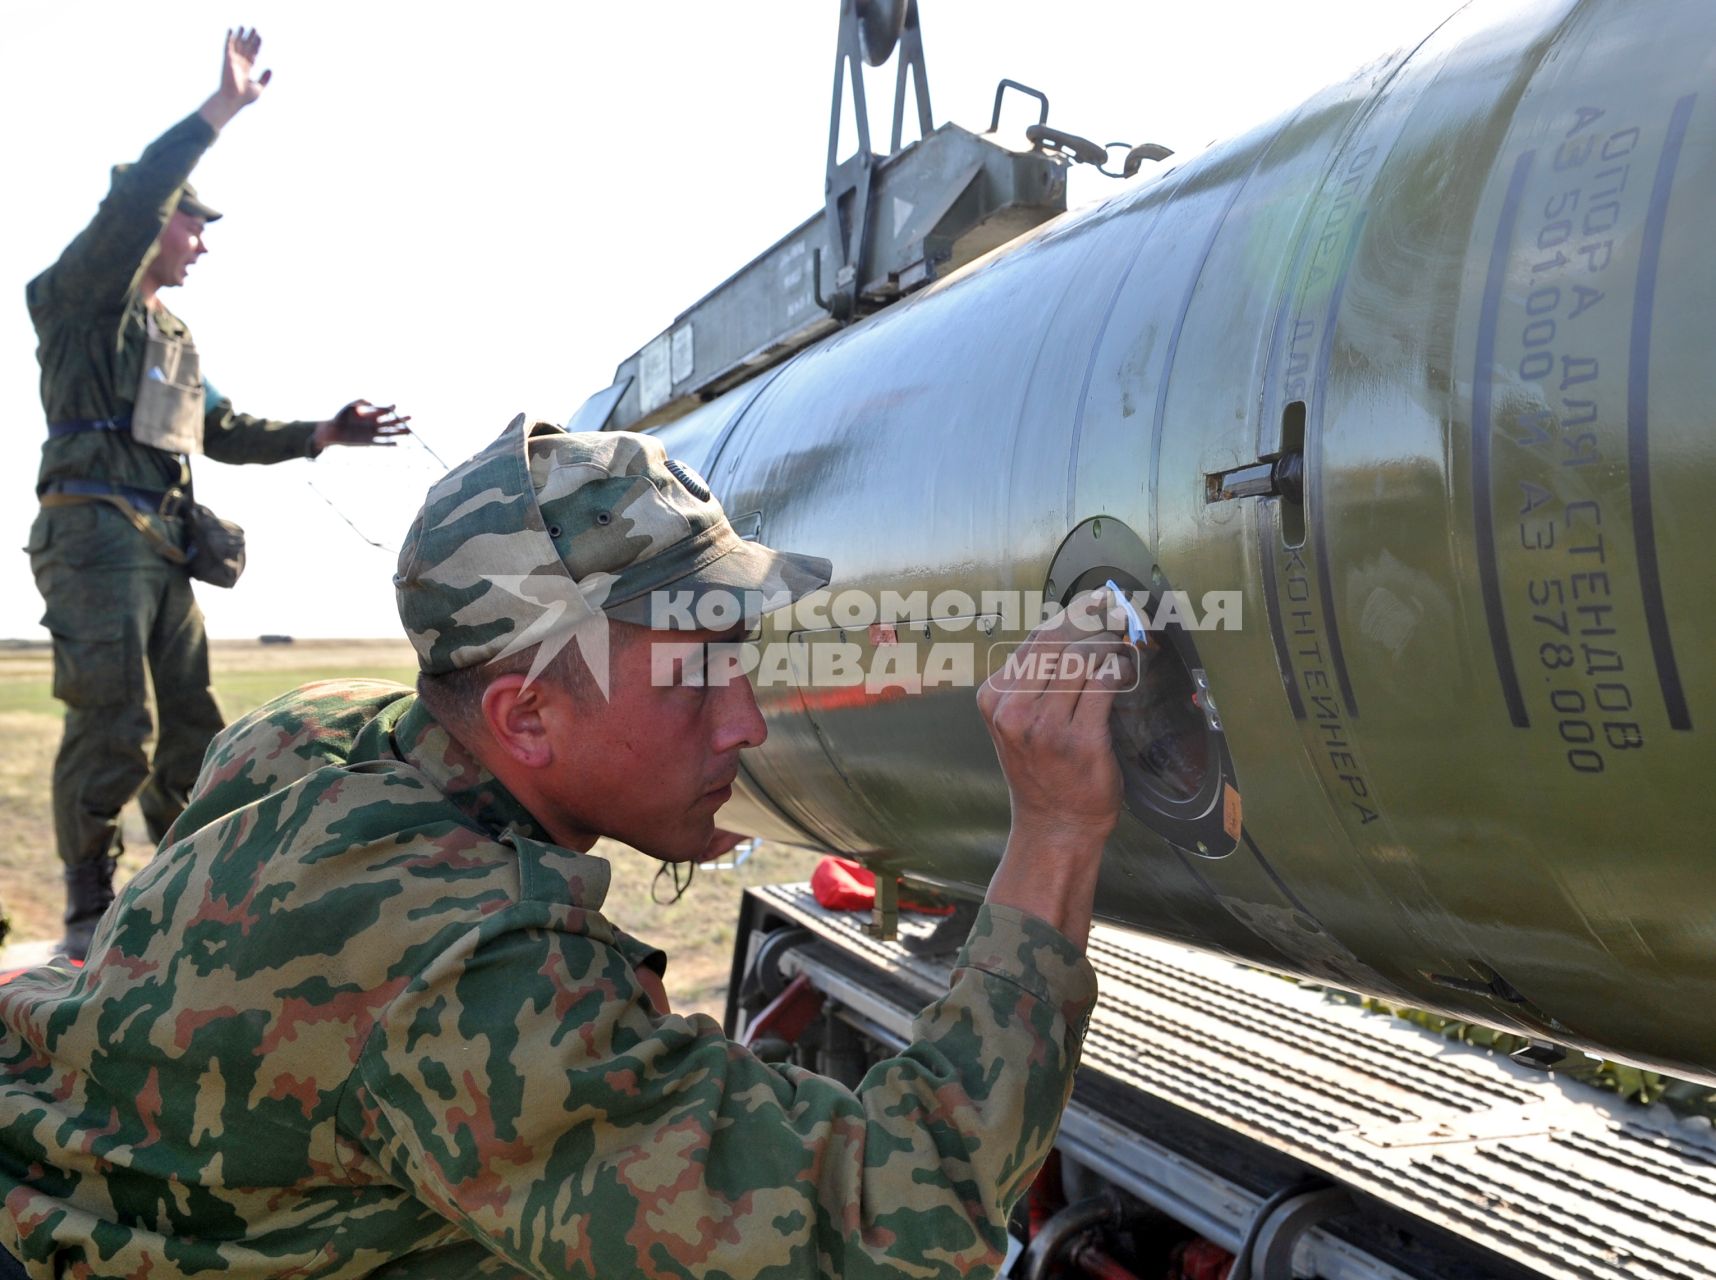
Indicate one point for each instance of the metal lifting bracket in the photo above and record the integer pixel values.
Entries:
(889, 225)
(870, 30)
(1070, 147)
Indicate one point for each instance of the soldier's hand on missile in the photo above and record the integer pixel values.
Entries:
(362, 423)
(239, 84)
(1047, 710)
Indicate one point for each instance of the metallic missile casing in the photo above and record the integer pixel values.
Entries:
(1467, 721)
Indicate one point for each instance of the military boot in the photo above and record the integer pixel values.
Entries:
(89, 890)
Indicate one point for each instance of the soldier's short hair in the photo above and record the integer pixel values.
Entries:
(455, 698)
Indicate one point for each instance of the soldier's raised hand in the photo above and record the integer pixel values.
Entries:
(238, 78)
(239, 84)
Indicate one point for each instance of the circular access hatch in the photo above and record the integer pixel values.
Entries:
(1172, 746)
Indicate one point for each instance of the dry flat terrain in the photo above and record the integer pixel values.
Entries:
(697, 932)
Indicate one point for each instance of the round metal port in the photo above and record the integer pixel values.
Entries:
(1159, 725)
(1174, 761)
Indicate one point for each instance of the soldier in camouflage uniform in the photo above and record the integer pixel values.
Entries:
(365, 1014)
(125, 405)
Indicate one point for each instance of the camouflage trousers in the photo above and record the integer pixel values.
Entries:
(129, 650)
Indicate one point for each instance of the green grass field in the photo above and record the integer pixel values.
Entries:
(697, 933)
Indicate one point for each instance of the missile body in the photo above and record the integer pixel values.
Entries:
(1448, 325)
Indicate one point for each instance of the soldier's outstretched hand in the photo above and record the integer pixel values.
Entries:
(240, 85)
(361, 422)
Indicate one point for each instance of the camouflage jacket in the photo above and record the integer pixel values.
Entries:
(358, 1018)
(91, 333)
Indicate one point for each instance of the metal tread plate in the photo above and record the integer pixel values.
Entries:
(1555, 1176)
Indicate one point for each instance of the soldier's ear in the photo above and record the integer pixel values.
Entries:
(513, 708)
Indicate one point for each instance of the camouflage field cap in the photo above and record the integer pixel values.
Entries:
(546, 528)
(190, 204)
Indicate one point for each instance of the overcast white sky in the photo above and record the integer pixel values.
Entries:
(479, 209)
